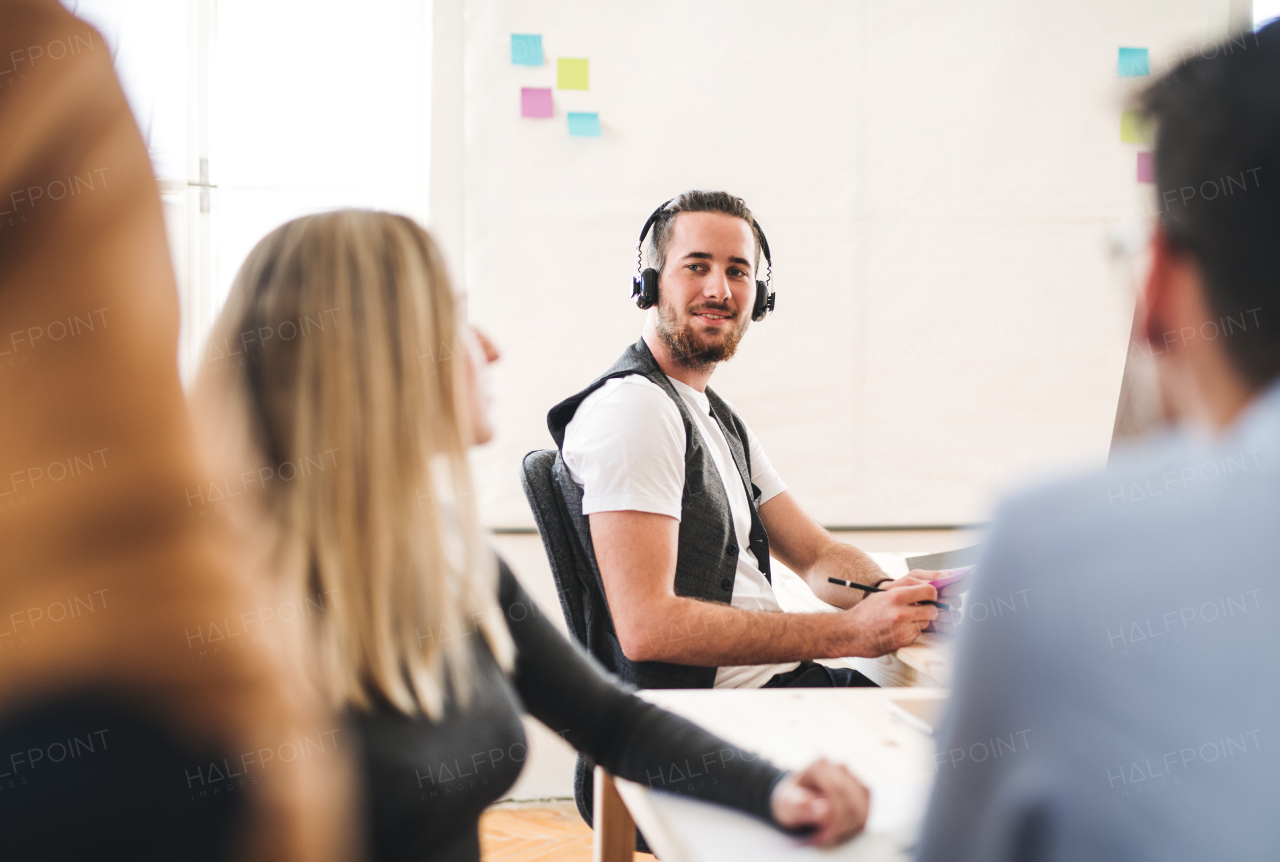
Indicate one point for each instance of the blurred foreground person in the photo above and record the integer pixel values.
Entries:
(124, 732)
(360, 386)
(1118, 699)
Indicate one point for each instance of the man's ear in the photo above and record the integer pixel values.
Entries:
(1156, 303)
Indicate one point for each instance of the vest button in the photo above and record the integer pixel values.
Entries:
(726, 584)
(731, 549)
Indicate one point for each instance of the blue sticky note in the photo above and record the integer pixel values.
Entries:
(583, 125)
(1134, 63)
(526, 49)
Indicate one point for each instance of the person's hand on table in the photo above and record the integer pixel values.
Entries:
(885, 621)
(824, 797)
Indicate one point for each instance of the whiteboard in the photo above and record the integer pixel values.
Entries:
(938, 182)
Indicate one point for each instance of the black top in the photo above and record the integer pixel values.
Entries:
(427, 783)
(89, 775)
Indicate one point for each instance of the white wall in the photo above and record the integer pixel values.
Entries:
(314, 112)
(937, 181)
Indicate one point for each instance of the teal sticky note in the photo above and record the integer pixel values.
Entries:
(583, 125)
(1134, 63)
(526, 49)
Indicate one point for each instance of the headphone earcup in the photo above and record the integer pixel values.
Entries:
(762, 305)
(645, 289)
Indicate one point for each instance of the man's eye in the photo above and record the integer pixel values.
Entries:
(737, 273)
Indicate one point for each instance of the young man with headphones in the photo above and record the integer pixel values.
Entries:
(676, 506)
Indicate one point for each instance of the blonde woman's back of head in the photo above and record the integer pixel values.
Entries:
(345, 415)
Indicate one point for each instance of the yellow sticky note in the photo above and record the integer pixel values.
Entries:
(571, 74)
(1134, 128)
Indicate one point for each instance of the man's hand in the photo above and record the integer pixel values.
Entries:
(955, 588)
(826, 797)
(883, 622)
(949, 593)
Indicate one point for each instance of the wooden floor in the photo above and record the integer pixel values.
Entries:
(537, 832)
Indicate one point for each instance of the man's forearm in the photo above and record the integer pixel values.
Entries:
(687, 631)
(846, 562)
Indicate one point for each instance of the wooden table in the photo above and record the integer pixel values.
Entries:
(926, 663)
(792, 727)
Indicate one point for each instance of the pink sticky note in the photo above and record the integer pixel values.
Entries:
(951, 577)
(1146, 170)
(535, 102)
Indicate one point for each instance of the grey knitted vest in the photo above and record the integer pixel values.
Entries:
(707, 558)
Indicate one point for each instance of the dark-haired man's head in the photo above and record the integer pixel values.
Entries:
(706, 251)
(1213, 296)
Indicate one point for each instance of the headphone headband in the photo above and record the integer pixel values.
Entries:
(645, 232)
(653, 217)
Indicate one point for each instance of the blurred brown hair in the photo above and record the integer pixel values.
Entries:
(123, 531)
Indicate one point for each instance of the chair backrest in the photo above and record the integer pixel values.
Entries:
(546, 486)
(558, 538)
(556, 501)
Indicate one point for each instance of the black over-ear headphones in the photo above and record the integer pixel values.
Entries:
(644, 286)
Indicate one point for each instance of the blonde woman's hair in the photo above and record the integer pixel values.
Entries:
(354, 395)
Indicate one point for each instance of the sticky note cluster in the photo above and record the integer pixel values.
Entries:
(572, 73)
(1134, 128)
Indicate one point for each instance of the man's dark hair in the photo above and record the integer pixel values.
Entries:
(696, 202)
(1217, 171)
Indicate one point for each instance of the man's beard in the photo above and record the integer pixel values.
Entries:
(690, 349)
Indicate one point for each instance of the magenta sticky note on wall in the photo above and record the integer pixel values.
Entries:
(535, 102)
(1146, 170)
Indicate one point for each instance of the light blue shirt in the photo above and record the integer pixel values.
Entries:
(1117, 685)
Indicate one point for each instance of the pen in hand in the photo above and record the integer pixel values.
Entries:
(867, 589)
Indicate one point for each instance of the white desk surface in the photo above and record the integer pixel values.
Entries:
(792, 727)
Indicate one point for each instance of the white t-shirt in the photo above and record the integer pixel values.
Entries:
(625, 448)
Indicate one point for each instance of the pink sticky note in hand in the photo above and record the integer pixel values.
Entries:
(535, 102)
(1146, 170)
(951, 577)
